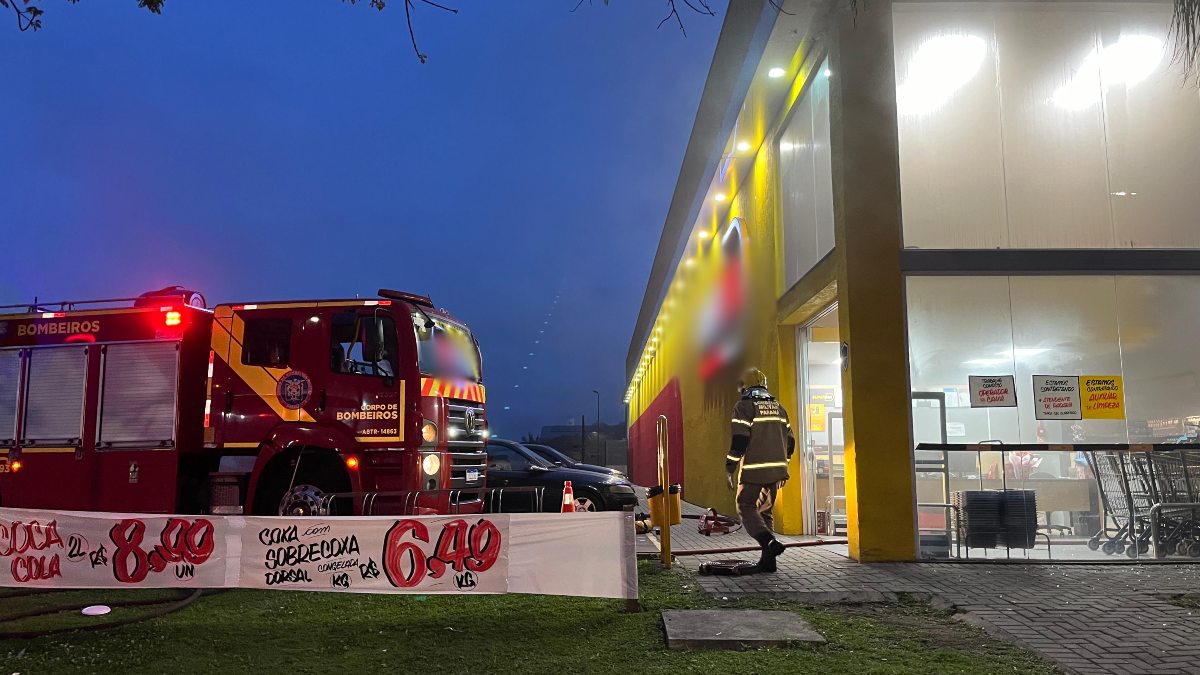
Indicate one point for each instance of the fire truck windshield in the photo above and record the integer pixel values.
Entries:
(446, 349)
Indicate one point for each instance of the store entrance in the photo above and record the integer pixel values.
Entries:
(819, 423)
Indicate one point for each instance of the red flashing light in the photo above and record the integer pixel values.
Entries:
(351, 462)
(385, 303)
(15, 466)
(172, 318)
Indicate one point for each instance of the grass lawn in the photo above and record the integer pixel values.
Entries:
(275, 631)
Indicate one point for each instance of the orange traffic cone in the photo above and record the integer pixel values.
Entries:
(568, 504)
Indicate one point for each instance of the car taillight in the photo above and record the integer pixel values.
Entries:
(172, 318)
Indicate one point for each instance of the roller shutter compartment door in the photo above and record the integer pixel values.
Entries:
(10, 381)
(137, 405)
(54, 395)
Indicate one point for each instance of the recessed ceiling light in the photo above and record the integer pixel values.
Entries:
(776, 73)
(720, 196)
(743, 146)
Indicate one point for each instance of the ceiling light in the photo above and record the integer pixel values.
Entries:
(743, 146)
(938, 68)
(704, 233)
(987, 362)
(786, 146)
(689, 262)
(720, 196)
(776, 73)
(1127, 62)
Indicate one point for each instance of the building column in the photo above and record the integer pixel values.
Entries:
(866, 189)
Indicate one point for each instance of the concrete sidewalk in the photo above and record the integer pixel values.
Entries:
(1101, 618)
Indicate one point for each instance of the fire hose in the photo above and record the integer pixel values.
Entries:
(712, 522)
(175, 604)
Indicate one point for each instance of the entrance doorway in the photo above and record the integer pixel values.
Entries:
(822, 444)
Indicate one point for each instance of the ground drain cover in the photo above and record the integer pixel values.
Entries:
(735, 629)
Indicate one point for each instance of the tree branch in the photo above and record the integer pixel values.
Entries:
(28, 18)
(1185, 26)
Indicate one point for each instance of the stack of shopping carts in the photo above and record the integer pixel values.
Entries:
(1149, 495)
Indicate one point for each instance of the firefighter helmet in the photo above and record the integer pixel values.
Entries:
(752, 377)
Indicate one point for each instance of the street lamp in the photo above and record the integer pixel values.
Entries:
(597, 393)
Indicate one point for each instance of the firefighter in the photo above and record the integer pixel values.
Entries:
(761, 447)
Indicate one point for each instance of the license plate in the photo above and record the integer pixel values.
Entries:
(472, 475)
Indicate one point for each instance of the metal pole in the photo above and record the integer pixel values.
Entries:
(583, 438)
(664, 478)
(597, 393)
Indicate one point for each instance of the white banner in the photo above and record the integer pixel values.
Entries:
(378, 555)
(584, 554)
(98, 550)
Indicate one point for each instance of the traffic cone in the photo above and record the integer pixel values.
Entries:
(568, 504)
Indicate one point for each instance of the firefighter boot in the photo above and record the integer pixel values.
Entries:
(771, 548)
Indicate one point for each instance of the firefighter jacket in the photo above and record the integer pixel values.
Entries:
(762, 439)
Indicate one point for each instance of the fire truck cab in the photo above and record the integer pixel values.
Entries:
(267, 408)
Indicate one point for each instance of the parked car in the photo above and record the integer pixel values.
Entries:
(512, 465)
(555, 456)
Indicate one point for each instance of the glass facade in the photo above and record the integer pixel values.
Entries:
(1047, 125)
(806, 188)
(1141, 328)
(1044, 125)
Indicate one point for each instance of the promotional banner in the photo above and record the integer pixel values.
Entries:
(374, 555)
(583, 554)
(82, 550)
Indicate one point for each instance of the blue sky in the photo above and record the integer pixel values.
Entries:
(282, 149)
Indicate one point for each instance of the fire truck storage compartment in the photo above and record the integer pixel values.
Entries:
(138, 389)
(10, 381)
(54, 395)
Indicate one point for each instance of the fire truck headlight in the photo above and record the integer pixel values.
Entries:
(430, 464)
(429, 432)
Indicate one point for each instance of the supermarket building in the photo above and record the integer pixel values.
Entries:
(877, 205)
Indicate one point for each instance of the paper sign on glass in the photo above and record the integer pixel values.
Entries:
(993, 391)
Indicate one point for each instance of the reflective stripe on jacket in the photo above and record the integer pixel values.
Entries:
(762, 440)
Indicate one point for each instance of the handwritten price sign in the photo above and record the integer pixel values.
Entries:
(378, 555)
(70, 551)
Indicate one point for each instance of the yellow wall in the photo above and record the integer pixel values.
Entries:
(768, 346)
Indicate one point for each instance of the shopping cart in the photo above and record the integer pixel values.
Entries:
(1176, 481)
(1128, 493)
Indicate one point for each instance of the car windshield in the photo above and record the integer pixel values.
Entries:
(446, 349)
(548, 453)
(513, 458)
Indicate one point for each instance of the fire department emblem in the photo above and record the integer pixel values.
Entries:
(293, 389)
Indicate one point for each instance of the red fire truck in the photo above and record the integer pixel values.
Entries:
(157, 404)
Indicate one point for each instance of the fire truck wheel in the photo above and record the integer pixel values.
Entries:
(304, 500)
(586, 500)
(321, 473)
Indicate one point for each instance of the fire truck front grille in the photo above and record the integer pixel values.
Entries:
(466, 465)
(458, 436)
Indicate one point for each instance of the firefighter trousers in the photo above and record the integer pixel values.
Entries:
(754, 505)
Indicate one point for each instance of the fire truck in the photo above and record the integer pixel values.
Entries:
(157, 404)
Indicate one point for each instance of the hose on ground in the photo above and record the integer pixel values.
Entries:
(747, 549)
(175, 605)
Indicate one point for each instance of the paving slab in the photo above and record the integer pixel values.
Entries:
(735, 629)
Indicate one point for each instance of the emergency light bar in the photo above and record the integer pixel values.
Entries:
(410, 297)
